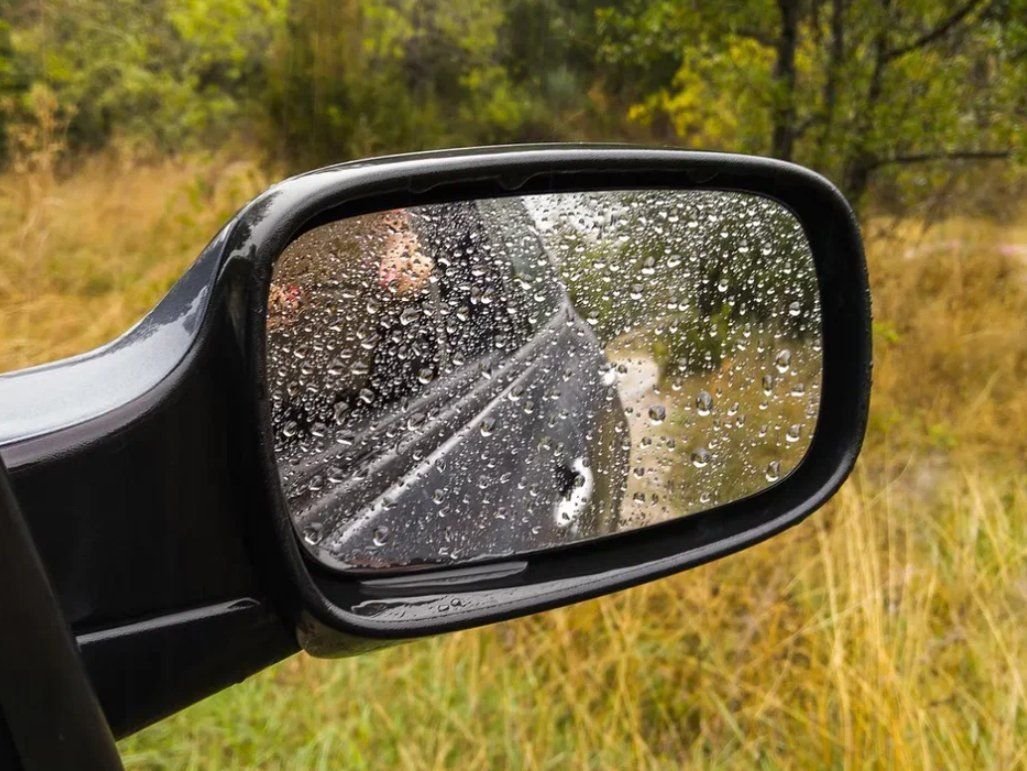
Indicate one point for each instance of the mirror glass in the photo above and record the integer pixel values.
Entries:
(471, 380)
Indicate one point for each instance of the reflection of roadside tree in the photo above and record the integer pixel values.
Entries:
(705, 268)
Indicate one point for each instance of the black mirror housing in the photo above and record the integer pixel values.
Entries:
(178, 470)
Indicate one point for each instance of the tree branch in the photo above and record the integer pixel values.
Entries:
(956, 155)
(935, 34)
(768, 41)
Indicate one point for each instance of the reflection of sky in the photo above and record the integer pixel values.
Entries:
(587, 215)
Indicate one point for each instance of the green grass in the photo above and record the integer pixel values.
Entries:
(887, 631)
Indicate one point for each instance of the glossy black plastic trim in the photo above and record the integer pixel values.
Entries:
(157, 510)
(47, 705)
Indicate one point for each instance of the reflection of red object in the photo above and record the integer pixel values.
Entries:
(387, 275)
(284, 302)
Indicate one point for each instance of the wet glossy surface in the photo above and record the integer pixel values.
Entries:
(485, 379)
(40, 400)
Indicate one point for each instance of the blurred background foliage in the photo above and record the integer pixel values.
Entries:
(886, 632)
(869, 92)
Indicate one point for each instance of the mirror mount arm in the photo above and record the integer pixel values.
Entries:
(52, 714)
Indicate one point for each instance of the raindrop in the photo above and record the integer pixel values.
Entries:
(488, 426)
(380, 536)
(657, 414)
(703, 403)
(773, 472)
(313, 534)
(701, 457)
(793, 433)
(783, 360)
(339, 411)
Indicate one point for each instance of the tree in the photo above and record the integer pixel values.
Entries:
(852, 87)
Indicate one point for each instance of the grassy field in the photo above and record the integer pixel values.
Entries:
(887, 631)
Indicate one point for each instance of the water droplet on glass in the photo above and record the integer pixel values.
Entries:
(701, 457)
(773, 472)
(657, 414)
(339, 411)
(793, 433)
(488, 426)
(380, 536)
(312, 534)
(783, 360)
(703, 403)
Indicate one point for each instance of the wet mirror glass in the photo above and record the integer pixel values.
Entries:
(464, 381)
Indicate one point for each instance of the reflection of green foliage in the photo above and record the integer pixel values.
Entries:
(706, 266)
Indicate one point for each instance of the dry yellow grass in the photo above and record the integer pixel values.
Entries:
(84, 257)
(886, 632)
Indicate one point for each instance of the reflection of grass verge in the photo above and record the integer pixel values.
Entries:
(749, 407)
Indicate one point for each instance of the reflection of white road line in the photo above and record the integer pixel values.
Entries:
(568, 510)
(639, 381)
(636, 389)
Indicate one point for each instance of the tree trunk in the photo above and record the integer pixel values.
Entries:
(782, 143)
(836, 61)
(861, 160)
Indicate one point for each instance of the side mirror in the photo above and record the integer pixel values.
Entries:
(429, 392)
